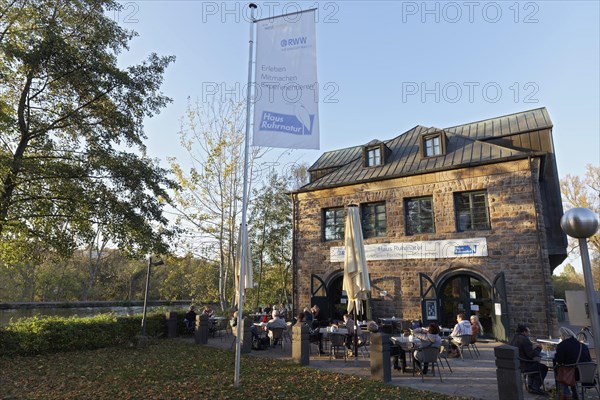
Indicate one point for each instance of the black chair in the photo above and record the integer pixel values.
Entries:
(525, 374)
(337, 341)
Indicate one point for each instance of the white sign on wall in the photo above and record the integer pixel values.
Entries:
(475, 247)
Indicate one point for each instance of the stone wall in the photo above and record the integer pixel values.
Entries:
(516, 241)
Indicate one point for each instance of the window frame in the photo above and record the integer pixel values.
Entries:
(408, 226)
(374, 228)
(430, 137)
(378, 157)
(337, 225)
(471, 213)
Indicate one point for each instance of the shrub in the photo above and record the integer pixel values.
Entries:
(38, 335)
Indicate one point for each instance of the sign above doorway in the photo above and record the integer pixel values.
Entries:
(474, 247)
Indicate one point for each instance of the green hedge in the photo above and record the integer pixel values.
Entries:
(38, 335)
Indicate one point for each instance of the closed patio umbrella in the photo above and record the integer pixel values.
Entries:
(248, 281)
(356, 273)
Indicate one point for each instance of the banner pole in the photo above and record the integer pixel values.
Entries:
(242, 280)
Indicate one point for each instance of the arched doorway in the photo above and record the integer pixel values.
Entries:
(332, 300)
(470, 294)
(337, 297)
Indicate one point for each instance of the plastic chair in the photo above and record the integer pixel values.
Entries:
(363, 344)
(429, 355)
(587, 377)
(443, 355)
(474, 346)
(337, 341)
(465, 341)
(277, 337)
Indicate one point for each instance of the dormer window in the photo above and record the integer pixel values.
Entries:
(373, 156)
(374, 153)
(433, 144)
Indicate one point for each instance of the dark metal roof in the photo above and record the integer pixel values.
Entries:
(531, 120)
(465, 146)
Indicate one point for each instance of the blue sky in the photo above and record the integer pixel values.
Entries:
(468, 60)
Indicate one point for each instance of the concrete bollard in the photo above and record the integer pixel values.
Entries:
(380, 357)
(201, 336)
(301, 344)
(508, 373)
(171, 317)
(246, 336)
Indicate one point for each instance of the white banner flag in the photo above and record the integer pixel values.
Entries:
(286, 103)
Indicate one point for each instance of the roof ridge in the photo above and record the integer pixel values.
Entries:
(487, 143)
(500, 116)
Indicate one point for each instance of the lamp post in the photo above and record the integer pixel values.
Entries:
(150, 264)
(581, 223)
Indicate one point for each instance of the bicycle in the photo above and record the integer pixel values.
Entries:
(585, 335)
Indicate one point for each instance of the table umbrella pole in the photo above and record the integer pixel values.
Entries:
(355, 337)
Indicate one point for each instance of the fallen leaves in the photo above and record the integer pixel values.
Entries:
(175, 369)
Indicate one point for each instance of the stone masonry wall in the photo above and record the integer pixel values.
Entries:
(516, 241)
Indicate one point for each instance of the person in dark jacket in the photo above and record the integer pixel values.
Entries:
(308, 317)
(569, 351)
(528, 354)
(315, 336)
(190, 319)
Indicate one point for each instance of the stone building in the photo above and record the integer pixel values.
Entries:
(460, 219)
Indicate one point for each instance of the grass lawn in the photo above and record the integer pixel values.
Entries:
(174, 369)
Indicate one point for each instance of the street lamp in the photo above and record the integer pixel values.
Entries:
(581, 223)
(150, 264)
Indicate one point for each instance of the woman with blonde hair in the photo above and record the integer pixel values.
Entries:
(476, 328)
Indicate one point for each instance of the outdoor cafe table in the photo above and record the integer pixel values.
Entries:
(445, 332)
(261, 328)
(548, 343)
(326, 331)
(548, 351)
(256, 317)
(407, 343)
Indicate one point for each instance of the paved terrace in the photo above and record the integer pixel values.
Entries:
(474, 378)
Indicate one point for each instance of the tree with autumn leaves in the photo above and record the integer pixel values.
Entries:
(580, 192)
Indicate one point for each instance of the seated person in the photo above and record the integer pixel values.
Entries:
(315, 335)
(275, 322)
(316, 312)
(208, 311)
(569, 351)
(462, 327)
(350, 326)
(308, 317)
(476, 328)
(233, 324)
(528, 354)
(282, 311)
(429, 337)
(190, 319)
(372, 327)
(399, 356)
